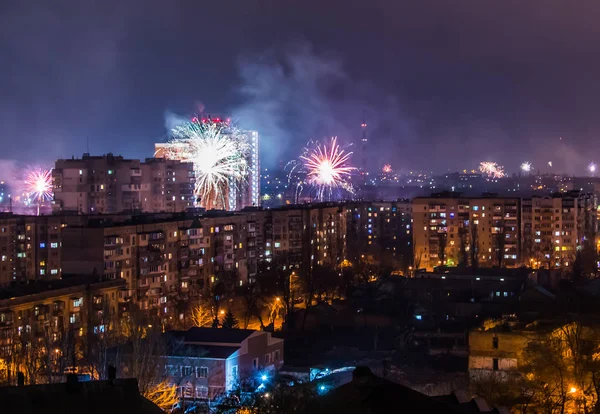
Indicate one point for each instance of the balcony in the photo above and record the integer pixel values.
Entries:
(156, 291)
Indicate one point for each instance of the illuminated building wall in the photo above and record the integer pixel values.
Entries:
(454, 220)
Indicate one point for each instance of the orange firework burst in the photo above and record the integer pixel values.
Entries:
(387, 168)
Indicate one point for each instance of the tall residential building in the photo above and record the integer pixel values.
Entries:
(110, 184)
(380, 228)
(554, 227)
(30, 248)
(171, 185)
(236, 195)
(450, 229)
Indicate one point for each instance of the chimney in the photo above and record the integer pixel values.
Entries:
(112, 372)
(72, 383)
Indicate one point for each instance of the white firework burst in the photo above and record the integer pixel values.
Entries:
(219, 154)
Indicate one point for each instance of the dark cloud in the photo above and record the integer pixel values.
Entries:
(444, 84)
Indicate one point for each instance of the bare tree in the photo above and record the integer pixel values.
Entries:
(463, 254)
(499, 243)
(474, 246)
(143, 356)
(202, 315)
(442, 243)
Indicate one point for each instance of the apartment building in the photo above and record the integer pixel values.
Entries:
(380, 227)
(46, 315)
(171, 185)
(30, 248)
(554, 227)
(163, 258)
(110, 184)
(450, 229)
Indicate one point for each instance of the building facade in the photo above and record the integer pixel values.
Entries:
(381, 228)
(204, 362)
(450, 230)
(497, 353)
(30, 248)
(55, 320)
(504, 231)
(110, 184)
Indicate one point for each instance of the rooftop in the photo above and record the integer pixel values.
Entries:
(216, 335)
(37, 291)
(120, 396)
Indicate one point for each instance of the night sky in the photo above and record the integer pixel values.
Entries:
(444, 84)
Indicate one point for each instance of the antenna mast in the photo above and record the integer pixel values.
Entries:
(364, 140)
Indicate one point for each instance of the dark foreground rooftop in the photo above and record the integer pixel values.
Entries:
(367, 393)
(120, 396)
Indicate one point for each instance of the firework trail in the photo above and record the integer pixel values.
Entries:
(526, 167)
(38, 186)
(324, 168)
(219, 154)
(491, 169)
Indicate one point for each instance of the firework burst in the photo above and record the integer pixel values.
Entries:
(38, 186)
(219, 154)
(491, 169)
(324, 168)
(591, 168)
(387, 169)
(526, 167)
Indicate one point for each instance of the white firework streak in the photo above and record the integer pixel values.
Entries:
(323, 168)
(218, 153)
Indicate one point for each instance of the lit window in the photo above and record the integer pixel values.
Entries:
(53, 245)
(277, 244)
(42, 245)
(42, 272)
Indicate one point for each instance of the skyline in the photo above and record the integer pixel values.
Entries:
(442, 85)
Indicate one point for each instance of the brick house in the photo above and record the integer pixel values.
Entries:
(206, 361)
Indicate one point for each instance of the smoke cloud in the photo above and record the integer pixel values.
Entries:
(172, 120)
(300, 95)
